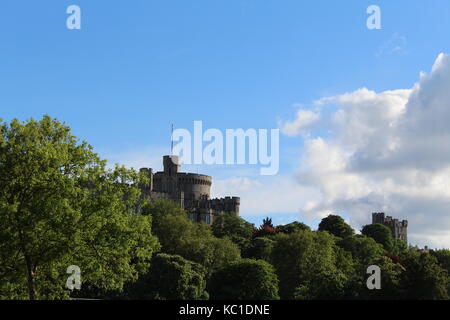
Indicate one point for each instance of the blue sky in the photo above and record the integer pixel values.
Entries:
(138, 66)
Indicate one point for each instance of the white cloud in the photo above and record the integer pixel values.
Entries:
(388, 151)
(396, 44)
(305, 118)
(266, 195)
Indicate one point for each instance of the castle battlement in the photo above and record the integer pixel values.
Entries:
(398, 228)
(191, 190)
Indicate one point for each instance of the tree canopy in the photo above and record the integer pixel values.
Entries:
(381, 234)
(336, 226)
(171, 277)
(60, 206)
(245, 280)
(235, 228)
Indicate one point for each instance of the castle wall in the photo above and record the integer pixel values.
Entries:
(399, 229)
(192, 191)
(194, 186)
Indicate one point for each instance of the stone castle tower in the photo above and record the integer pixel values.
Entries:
(398, 228)
(191, 191)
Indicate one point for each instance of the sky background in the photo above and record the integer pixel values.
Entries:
(138, 66)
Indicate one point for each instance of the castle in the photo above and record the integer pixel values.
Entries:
(191, 191)
(398, 228)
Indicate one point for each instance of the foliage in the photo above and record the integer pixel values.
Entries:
(60, 206)
(391, 273)
(336, 226)
(305, 263)
(235, 228)
(364, 250)
(193, 241)
(245, 280)
(171, 277)
(293, 227)
(266, 229)
(423, 278)
(260, 248)
(381, 234)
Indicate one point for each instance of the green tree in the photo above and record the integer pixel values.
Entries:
(193, 241)
(161, 208)
(364, 250)
(424, 278)
(381, 234)
(235, 228)
(60, 206)
(245, 280)
(293, 227)
(260, 249)
(306, 265)
(391, 289)
(171, 277)
(211, 252)
(443, 258)
(400, 246)
(336, 226)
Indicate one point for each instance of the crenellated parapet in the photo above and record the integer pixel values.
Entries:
(398, 228)
(192, 191)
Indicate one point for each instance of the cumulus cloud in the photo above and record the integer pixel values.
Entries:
(388, 151)
(303, 121)
(266, 195)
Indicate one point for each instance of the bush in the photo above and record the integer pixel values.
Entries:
(245, 280)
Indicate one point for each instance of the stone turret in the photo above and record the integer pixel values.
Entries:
(171, 165)
(192, 191)
(398, 228)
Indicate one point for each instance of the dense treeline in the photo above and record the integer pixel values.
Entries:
(61, 206)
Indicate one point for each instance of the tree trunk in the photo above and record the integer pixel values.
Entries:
(31, 282)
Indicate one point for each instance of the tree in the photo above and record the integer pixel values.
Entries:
(306, 265)
(381, 234)
(211, 252)
(266, 229)
(260, 249)
(391, 289)
(161, 208)
(443, 258)
(400, 246)
(245, 280)
(60, 206)
(364, 250)
(193, 241)
(170, 223)
(171, 277)
(233, 227)
(336, 226)
(293, 227)
(423, 278)
(268, 222)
